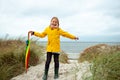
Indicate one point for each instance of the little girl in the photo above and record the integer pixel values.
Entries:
(53, 32)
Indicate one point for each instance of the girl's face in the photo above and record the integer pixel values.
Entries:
(54, 23)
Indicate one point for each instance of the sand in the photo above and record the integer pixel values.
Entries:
(71, 71)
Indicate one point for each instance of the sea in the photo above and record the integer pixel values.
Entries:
(73, 49)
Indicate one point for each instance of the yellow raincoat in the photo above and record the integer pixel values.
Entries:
(53, 44)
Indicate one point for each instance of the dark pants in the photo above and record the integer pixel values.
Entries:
(56, 60)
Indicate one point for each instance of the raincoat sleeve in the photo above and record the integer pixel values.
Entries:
(41, 35)
(66, 34)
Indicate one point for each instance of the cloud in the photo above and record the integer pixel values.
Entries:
(109, 8)
(79, 17)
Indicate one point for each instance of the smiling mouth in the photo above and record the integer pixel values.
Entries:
(54, 24)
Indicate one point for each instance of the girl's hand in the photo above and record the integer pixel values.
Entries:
(76, 38)
(31, 32)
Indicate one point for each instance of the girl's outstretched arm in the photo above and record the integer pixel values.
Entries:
(68, 35)
(41, 35)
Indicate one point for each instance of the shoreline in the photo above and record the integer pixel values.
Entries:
(73, 56)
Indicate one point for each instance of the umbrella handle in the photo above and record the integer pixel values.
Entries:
(28, 36)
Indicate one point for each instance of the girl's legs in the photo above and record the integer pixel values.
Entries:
(56, 60)
(56, 65)
(49, 56)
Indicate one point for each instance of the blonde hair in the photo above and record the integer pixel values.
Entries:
(56, 19)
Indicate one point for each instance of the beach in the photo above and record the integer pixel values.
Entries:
(69, 71)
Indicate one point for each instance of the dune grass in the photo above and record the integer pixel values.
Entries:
(106, 67)
(12, 57)
(105, 61)
(93, 52)
(63, 57)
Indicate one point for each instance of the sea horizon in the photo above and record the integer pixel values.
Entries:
(77, 46)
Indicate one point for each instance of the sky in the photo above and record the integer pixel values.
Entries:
(90, 20)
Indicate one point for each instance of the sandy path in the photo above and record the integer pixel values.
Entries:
(71, 71)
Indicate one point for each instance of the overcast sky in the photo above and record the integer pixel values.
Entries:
(90, 20)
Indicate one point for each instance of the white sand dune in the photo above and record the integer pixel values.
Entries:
(71, 71)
